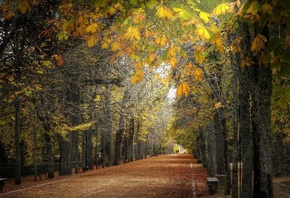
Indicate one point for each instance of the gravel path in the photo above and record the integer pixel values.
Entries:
(160, 176)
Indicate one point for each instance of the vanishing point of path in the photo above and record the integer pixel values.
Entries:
(176, 175)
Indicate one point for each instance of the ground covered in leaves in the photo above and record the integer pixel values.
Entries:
(176, 175)
(168, 176)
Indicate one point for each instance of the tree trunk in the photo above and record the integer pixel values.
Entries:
(75, 151)
(261, 88)
(211, 149)
(219, 145)
(131, 140)
(140, 143)
(49, 154)
(278, 157)
(107, 125)
(17, 103)
(236, 139)
(65, 156)
(87, 150)
(202, 148)
(246, 136)
(119, 140)
(90, 161)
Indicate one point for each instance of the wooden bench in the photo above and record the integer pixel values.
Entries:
(212, 183)
(40, 172)
(2, 183)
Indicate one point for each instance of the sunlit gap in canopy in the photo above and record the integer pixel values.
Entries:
(163, 71)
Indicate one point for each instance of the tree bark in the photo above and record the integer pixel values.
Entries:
(119, 140)
(140, 143)
(106, 128)
(211, 149)
(219, 145)
(202, 148)
(278, 157)
(120, 131)
(236, 139)
(131, 140)
(261, 88)
(49, 153)
(75, 151)
(65, 156)
(17, 103)
(246, 136)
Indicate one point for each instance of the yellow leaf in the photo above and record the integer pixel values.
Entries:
(179, 90)
(173, 62)
(138, 76)
(267, 8)
(171, 52)
(93, 16)
(218, 42)
(91, 41)
(105, 45)
(161, 12)
(197, 74)
(218, 105)
(204, 16)
(202, 32)
(151, 58)
(80, 19)
(147, 33)
(258, 43)
(215, 30)
(139, 16)
(190, 65)
(80, 31)
(112, 10)
(183, 88)
(24, 6)
(92, 28)
(115, 46)
(246, 62)
(177, 9)
(132, 33)
(164, 12)
(221, 9)
(162, 41)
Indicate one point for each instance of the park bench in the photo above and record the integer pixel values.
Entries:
(2, 183)
(40, 171)
(212, 183)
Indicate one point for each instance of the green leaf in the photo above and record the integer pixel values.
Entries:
(182, 13)
(2, 122)
(133, 2)
(101, 3)
(164, 55)
(62, 35)
(151, 4)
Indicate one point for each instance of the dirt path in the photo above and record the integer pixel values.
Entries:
(161, 176)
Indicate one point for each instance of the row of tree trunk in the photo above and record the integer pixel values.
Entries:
(251, 142)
